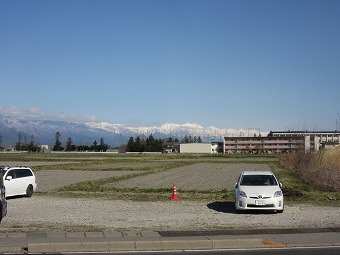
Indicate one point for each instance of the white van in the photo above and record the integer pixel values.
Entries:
(19, 181)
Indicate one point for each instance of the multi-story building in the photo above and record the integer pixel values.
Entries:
(324, 138)
(280, 142)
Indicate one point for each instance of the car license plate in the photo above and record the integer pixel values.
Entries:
(259, 202)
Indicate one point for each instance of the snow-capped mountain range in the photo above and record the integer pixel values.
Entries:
(43, 132)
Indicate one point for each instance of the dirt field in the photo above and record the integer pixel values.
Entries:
(51, 180)
(202, 176)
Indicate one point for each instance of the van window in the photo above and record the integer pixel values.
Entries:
(11, 173)
(20, 173)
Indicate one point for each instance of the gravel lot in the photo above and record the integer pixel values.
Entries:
(47, 213)
(42, 213)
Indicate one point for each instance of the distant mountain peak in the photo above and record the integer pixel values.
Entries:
(44, 131)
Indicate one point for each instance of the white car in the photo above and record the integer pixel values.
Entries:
(19, 181)
(258, 190)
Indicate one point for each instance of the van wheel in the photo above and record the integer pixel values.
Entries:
(29, 191)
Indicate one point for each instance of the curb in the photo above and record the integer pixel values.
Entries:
(154, 245)
(11, 250)
(106, 241)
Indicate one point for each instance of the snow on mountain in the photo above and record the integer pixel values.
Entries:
(172, 129)
(44, 131)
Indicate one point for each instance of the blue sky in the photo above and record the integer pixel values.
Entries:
(273, 65)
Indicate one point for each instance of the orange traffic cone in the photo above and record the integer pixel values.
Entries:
(174, 193)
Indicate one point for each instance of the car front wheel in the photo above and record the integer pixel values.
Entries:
(29, 191)
(280, 211)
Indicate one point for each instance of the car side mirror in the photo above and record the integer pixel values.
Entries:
(8, 178)
(236, 185)
(280, 185)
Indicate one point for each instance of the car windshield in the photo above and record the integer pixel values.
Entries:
(258, 180)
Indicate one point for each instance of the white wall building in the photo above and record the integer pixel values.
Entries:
(44, 148)
(201, 148)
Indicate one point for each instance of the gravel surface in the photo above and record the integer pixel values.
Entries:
(79, 214)
(202, 176)
(51, 180)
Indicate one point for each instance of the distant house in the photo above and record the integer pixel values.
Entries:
(44, 148)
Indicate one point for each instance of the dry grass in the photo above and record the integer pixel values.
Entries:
(333, 156)
(320, 170)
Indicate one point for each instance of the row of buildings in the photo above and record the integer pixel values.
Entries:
(281, 142)
(278, 142)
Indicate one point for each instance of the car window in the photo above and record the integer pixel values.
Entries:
(28, 172)
(258, 180)
(20, 173)
(11, 173)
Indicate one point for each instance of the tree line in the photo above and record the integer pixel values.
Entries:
(24, 145)
(149, 145)
(137, 144)
(70, 146)
(156, 145)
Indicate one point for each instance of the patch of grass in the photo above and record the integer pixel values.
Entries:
(316, 198)
(96, 185)
(288, 179)
(296, 190)
(321, 170)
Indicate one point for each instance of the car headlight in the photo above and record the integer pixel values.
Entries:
(278, 193)
(242, 194)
